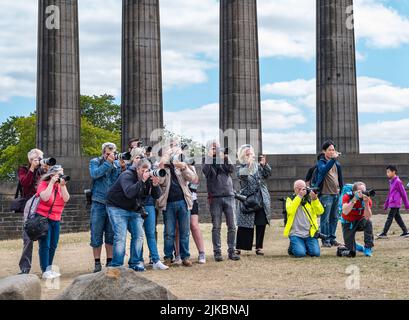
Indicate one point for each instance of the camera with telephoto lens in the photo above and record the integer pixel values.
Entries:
(49, 162)
(123, 156)
(64, 177)
(160, 173)
(319, 235)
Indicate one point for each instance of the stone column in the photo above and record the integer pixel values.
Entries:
(240, 108)
(58, 79)
(142, 107)
(337, 106)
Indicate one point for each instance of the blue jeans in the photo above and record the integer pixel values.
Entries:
(122, 221)
(301, 247)
(48, 245)
(150, 228)
(329, 219)
(177, 211)
(100, 224)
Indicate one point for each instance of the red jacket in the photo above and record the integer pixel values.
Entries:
(28, 180)
(357, 212)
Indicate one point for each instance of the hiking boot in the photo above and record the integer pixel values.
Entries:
(382, 236)
(326, 245)
(187, 263)
(98, 267)
(218, 257)
(405, 235)
(233, 256)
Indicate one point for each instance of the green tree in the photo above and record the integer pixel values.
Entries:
(102, 112)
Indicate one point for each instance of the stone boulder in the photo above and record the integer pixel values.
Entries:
(115, 284)
(20, 287)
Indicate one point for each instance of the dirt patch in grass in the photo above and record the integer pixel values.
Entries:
(273, 276)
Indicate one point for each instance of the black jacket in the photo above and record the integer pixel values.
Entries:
(129, 193)
(218, 177)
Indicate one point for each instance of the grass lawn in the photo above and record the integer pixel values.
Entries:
(273, 276)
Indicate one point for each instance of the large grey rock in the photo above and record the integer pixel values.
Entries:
(115, 284)
(20, 287)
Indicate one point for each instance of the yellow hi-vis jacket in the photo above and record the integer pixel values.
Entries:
(314, 209)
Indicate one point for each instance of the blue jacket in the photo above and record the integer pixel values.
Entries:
(103, 174)
(324, 166)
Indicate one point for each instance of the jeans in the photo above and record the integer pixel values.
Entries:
(100, 224)
(329, 219)
(177, 211)
(48, 245)
(218, 206)
(150, 229)
(394, 214)
(122, 221)
(301, 247)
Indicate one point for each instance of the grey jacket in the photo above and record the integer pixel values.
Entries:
(248, 185)
(218, 178)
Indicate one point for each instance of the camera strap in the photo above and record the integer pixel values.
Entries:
(309, 216)
(51, 208)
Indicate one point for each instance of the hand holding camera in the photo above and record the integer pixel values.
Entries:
(262, 160)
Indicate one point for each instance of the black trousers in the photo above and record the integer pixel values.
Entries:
(245, 237)
(349, 231)
(394, 214)
(27, 254)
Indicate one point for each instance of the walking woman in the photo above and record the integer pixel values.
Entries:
(251, 174)
(53, 194)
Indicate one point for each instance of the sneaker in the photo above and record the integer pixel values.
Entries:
(178, 261)
(368, 252)
(218, 257)
(24, 272)
(139, 267)
(359, 247)
(326, 245)
(382, 236)
(202, 258)
(55, 274)
(98, 267)
(187, 263)
(167, 262)
(233, 256)
(160, 266)
(48, 275)
(405, 235)
(259, 252)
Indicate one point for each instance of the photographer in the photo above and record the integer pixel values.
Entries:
(356, 215)
(53, 194)
(218, 170)
(303, 208)
(28, 178)
(175, 202)
(329, 181)
(125, 201)
(104, 171)
(251, 174)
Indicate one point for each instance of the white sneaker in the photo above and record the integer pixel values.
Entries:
(48, 275)
(178, 261)
(202, 258)
(159, 266)
(55, 274)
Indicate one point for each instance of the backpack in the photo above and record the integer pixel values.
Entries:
(31, 207)
(346, 189)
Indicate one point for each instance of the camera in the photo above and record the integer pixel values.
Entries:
(160, 173)
(369, 193)
(182, 158)
(88, 196)
(64, 177)
(345, 252)
(49, 162)
(123, 156)
(144, 214)
(312, 189)
(240, 197)
(319, 235)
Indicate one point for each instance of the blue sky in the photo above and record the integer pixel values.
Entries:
(190, 66)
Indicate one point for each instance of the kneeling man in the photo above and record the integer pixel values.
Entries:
(303, 208)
